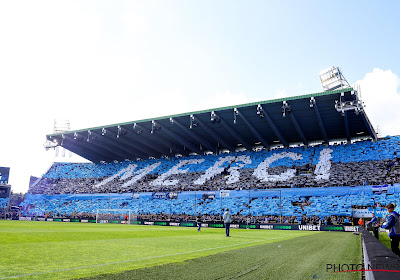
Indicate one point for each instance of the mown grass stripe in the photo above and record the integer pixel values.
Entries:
(306, 257)
(146, 258)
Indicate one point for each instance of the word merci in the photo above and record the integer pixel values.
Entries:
(131, 174)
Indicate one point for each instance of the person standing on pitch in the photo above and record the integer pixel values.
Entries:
(393, 225)
(198, 220)
(227, 221)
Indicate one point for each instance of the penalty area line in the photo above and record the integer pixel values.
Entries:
(146, 258)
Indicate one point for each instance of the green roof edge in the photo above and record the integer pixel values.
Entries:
(209, 110)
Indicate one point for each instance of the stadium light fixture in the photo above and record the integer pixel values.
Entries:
(235, 113)
(193, 122)
(77, 137)
(155, 126)
(215, 118)
(138, 130)
(103, 131)
(121, 132)
(286, 109)
(349, 103)
(332, 79)
(260, 111)
(312, 102)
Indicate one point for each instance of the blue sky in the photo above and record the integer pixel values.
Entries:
(262, 47)
(102, 62)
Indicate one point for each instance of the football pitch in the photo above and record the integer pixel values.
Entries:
(53, 250)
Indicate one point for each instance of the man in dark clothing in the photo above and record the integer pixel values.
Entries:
(227, 221)
(374, 225)
(393, 225)
(198, 220)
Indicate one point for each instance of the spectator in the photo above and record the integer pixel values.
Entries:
(393, 225)
(227, 221)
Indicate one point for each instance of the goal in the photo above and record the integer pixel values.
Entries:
(115, 216)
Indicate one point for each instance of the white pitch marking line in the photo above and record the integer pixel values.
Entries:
(141, 259)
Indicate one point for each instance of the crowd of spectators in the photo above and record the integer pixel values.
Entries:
(242, 219)
(358, 164)
(361, 163)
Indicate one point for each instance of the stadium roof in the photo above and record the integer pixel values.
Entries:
(319, 117)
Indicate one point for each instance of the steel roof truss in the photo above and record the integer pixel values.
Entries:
(83, 153)
(132, 143)
(371, 130)
(273, 126)
(214, 135)
(103, 155)
(319, 119)
(298, 128)
(133, 153)
(139, 137)
(194, 135)
(182, 140)
(347, 127)
(253, 130)
(233, 132)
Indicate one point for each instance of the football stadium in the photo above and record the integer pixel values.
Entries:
(292, 182)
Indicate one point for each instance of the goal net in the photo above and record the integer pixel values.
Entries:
(116, 216)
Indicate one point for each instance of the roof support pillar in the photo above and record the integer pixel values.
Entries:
(253, 129)
(233, 132)
(260, 110)
(346, 125)
(160, 140)
(368, 124)
(83, 152)
(214, 135)
(134, 144)
(139, 138)
(122, 148)
(182, 140)
(298, 128)
(81, 143)
(313, 104)
(193, 135)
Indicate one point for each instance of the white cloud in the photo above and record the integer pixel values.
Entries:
(379, 91)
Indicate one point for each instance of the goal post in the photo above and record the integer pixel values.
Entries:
(114, 216)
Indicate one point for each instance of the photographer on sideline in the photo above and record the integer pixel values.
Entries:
(393, 225)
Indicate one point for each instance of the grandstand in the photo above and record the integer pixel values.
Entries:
(5, 191)
(309, 163)
(305, 158)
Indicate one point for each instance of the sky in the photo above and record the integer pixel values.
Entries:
(97, 63)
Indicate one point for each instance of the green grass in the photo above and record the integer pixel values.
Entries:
(384, 238)
(45, 250)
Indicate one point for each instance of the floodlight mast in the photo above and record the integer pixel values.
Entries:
(60, 126)
(333, 79)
